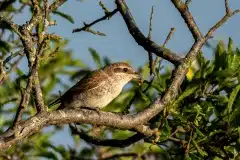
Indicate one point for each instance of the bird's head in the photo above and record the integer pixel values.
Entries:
(122, 71)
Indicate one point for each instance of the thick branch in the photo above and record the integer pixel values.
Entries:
(38, 94)
(143, 41)
(188, 18)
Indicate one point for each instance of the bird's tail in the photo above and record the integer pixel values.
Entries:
(54, 102)
(60, 107)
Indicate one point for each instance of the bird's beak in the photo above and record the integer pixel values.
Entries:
(138, 77)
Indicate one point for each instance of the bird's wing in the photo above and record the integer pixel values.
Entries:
(90, 81)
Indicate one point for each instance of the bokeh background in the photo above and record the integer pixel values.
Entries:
(118, 44)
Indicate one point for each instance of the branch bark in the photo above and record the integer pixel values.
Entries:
(188, 18)
(107, 142)
(143, 41)
(42, 119)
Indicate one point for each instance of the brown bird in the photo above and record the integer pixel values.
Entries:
(99, 88)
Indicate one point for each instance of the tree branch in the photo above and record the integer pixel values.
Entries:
(143, 41)
(42, 119)
(223, 20)
(55, 5)
(87, 26)
(14, 26)
(150, 57)
(188, 18)
(26, 94)
(107, 142)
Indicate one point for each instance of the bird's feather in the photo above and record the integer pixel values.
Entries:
(87, 83)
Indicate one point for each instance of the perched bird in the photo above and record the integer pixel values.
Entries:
(99, 88)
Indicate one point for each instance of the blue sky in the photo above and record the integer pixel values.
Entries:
(118, 45)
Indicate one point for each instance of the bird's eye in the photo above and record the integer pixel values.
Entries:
(125, 70)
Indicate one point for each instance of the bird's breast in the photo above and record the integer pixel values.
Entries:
(97, 97)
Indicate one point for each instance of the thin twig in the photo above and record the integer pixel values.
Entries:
(2, 72)
(106, 11)
(228, 10)
(36, 18)
(14, 26)
(223, 20)
(169, 36)
(55, 5)
(41, 46)
(87, 26)
(13, 55)
(24, 102)
(150, 56)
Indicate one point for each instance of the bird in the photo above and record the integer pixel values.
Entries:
(97, 89)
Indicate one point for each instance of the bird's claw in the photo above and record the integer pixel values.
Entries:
(92, 109)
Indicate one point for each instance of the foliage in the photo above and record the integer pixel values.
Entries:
(202, 123)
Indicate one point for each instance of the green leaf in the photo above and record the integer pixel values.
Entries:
(19, 72)
(106, 61)
(143, 96)
(165, 133)
(220, 56)
(96, 57)
(187, 92)
(232, 99)
(230, 45)
(64, 15)
(4, 47)
(218, 98)
(48, 154)
(200, 151)
(224, 73)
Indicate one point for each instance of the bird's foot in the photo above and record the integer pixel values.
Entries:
(96, 109)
